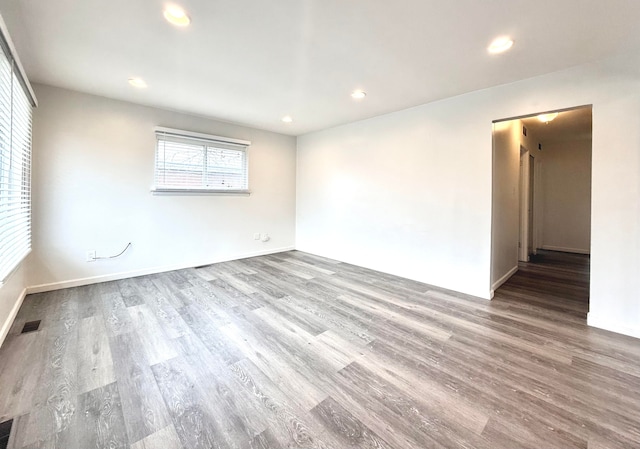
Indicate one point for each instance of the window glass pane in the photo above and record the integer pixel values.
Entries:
(197, 164)
(225, 169)
(179, 164)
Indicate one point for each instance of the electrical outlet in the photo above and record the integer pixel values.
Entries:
(256, 236)
(91, 255)
(265, 237)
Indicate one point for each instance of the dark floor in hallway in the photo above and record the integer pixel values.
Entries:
(551, 280)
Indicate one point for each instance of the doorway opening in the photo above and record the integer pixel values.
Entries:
(541, 207)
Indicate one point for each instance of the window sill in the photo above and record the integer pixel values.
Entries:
(161, 191)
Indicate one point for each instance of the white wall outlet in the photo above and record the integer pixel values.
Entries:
(265, 237)
(256, 236)
(91, 255)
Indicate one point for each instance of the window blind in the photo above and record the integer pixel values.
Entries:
(197, 162)
(15, 164)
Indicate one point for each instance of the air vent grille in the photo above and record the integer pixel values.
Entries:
(5, 432)
(31, 326)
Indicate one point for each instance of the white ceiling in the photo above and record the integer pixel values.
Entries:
(254, 61)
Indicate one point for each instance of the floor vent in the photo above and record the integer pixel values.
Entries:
(30, 326)
(5, 431)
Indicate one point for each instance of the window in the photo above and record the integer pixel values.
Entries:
(194, 162)
(15, 162)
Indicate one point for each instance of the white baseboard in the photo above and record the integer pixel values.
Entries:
(143, 272)
(496, 285)
(6, 326)
(566, 250)
(610, 325)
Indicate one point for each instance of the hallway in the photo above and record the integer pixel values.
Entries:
(552, 284)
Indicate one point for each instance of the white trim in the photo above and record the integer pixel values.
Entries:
(612, 326)
(209, 137)
(6, 326)
(496, 285)
(143, 272)
(167, 191)
(566, 250)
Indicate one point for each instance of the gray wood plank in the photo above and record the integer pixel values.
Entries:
(166, 438)
(88, 301)
(290, 424)
(18, 384)
(272, 361)
(100, 421)
(210, 332)
(155, 343)
(95, 366)
(142, 404)
(348, 429)
(168, 317)
(195, 426)
(54, 401)
(265, 440)
(232, 408)
(115, 314)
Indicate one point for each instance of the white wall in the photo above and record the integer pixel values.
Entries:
(566, 179)
(410, 192)
(92, 174)
(505, 200)
(11, 296)
(401, 193)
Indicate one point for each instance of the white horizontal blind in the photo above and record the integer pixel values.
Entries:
(187, 163)
(15, 168)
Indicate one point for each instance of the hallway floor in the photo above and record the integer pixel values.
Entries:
(551, 281)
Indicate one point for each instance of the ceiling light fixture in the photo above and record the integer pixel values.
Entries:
(287, 119)
(358, 94)
(546, 118)
(500, 45)
(138, 82)
(176, 16)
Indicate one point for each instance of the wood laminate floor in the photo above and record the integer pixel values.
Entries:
(552, 281)
(297, 351)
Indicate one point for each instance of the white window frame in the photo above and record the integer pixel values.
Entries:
(15, 161)
(207, 141)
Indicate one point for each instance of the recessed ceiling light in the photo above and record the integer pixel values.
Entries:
(287, 119)
(138, 82)
(177, 16)
(358, 94)
(500, 45)
(546, 118)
